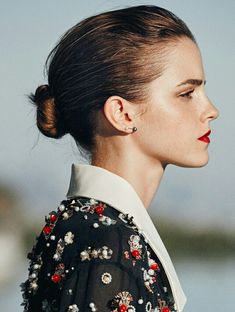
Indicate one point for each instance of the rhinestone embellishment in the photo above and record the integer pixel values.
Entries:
(106, 278)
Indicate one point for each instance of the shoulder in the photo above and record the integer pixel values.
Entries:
(87, 228)
(82, 235)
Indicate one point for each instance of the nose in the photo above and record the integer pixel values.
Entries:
(211, 111)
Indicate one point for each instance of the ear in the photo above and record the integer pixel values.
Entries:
(119, 112)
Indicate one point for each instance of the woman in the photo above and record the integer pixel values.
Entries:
(128, 86)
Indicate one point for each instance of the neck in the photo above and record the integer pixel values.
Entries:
(142, 173)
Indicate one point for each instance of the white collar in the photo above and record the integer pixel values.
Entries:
(99, 183)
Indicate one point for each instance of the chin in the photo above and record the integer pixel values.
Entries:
(198, 163)
(194, 162)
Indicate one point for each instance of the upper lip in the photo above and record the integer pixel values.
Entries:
(206, 134)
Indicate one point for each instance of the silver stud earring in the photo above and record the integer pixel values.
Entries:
(133, 128)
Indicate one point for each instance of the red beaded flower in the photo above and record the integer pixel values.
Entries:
(121, 302)
(59, 273)
(99, 209)
(50, 223)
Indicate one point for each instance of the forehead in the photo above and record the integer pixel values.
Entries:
(183, 61)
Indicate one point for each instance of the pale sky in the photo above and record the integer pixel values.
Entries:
(39, 168)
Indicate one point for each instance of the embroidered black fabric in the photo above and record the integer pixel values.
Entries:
(85, 259)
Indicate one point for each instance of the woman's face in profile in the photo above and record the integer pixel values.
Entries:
(178, 113)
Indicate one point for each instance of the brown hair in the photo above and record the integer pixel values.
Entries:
(113, 53)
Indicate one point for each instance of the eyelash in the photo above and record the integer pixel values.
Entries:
(187, 94)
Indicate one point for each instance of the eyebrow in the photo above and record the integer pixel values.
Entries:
(195, 82)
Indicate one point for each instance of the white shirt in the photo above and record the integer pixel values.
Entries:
(101, 184)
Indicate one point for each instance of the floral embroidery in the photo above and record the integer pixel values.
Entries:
(91, 205)
(30, 286)
(102, 253)
(67, 214)
(135, 248)
(149, 274)
(163, 306)
(50, 223)
(59, 249)
(121, 302)
(126, 218)
(68, 239)
(59, 273)
(73, 308)
(148, 280)
(107, 220)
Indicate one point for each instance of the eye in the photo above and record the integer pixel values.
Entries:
(187, 94)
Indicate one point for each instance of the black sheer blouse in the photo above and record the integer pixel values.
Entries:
(91, 257)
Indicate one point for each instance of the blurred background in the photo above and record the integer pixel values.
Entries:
(194, 207)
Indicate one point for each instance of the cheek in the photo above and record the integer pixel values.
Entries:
(165, 125)
(159, 132)
(167, 133)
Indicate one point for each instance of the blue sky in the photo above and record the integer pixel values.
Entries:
(38, 168)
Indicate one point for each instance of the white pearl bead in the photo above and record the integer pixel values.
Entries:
(151, 272)
(52, 237)
(61, 207)
(108, 221)
(34, 285)
(95, 225)
(140, 301)
(65, 216)
(91, 305)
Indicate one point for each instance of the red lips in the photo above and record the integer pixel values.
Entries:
(205, 137)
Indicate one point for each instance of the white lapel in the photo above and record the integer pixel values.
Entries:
(96, 182)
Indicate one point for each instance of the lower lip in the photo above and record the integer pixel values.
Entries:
(205, 139)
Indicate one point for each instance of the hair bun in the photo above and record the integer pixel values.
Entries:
(49, 119)
(42, 93)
